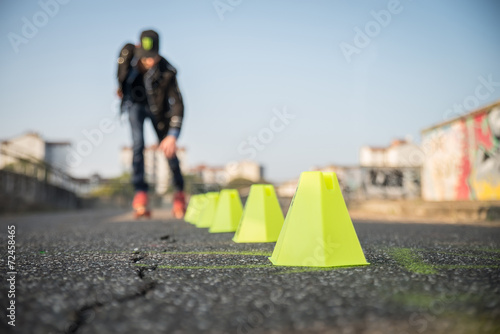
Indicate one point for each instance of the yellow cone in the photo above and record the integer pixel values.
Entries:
(195, 206)
(207, 214)
(318, 230)
(262, 217)
(228, 212)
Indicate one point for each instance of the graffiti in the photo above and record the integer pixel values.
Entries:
(463, 158)
(391, 183)
(392, 178)
(485, 176)
(379, 182)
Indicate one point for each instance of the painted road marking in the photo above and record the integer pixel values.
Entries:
(412, 261)
(237, 266)
(408, 258)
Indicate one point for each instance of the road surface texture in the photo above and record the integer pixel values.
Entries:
(102, 272)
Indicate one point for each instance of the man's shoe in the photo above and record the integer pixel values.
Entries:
(140, 204)
(179, 207)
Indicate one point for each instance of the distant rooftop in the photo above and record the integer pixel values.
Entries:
(470, 114)
(38, 136)
(394, 143)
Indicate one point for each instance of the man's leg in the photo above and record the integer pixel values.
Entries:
(137, 115)
(179, 205)
(173, 163)
(178, 180)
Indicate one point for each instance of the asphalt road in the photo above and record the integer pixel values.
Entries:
(102, 272)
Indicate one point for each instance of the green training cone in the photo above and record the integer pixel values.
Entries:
(262, 217)
(318, 231)
(195, 206)
(228, 212)
(207, 214)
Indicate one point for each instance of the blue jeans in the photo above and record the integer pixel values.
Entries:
(137, 113)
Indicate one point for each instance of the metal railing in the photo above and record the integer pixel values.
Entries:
(24, 164)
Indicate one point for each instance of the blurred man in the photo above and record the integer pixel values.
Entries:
(148, 88)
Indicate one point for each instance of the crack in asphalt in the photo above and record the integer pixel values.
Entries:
(82, 316)
(137, 259)
(86, 313)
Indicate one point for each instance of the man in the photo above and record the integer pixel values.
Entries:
(148, 88)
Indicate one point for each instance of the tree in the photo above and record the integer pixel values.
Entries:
(116, 187)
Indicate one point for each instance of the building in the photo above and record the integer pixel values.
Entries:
(32, 147)
(210, 174)
(245, 169)
(376, 182)
(46, 161)
(401, 153)
(287, 188)
(349, 177)
(222, 175)
(391, 172)
(462, 157)
(31, 155)
(156, 169)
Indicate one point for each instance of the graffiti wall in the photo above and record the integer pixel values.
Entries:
(462, 158)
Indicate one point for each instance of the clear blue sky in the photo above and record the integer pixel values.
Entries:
(233, 72)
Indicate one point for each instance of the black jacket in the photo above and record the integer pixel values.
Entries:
(163, 95)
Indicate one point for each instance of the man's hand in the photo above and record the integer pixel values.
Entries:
(119, 93)
(168, 146)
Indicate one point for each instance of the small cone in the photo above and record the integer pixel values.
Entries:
(207, 214)
(195, 206)
(318, 231)
(262, 217)
(228, 212)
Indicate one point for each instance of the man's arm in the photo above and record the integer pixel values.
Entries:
(126, 55)
(169, 144)
(176, 108)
